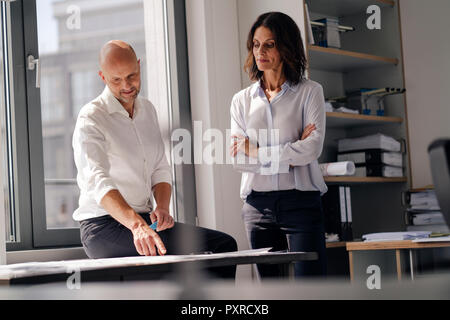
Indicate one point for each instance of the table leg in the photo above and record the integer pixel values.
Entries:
(398, 259)
(411, 264)
(291, 271)
(350, 260)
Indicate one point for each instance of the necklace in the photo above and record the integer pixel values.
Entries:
(268, 90)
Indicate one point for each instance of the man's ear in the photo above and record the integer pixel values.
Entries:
(100, 73)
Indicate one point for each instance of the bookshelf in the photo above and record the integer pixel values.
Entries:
(357, 180)
(346, 7)
(347, 120)
(338, 60)
(338, 244)
(366, 59)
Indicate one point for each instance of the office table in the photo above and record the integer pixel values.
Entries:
(141, 267)
(392, 245)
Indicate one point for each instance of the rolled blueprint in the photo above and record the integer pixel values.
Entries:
(344, 168)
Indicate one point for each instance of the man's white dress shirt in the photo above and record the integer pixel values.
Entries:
(284, 161)
(114, 151)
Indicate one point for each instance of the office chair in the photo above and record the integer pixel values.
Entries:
(439, 154)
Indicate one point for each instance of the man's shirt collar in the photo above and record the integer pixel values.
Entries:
(113, 105)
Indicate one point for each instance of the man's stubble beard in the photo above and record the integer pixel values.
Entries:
(124, 100)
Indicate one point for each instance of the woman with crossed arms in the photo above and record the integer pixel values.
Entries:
(281, 180)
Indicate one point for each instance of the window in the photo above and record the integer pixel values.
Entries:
(63, 38)
(52, 97)
(85, 86)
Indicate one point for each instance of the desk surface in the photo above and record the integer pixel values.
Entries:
(117, 267)
(392, 245)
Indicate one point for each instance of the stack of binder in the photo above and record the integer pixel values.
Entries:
(423, 212)
(337, 207)
(375, 155)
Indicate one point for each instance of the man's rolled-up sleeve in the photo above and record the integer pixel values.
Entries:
(91, 158)
(162, 171)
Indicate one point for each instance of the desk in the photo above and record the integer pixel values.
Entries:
(392, 245)
(148, 268)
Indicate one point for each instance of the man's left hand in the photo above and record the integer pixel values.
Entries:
(165, 220)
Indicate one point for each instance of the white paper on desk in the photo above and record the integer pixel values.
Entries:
(387, 236)
(251, 252)
(434, 239)
(69, 266)
(343, 168)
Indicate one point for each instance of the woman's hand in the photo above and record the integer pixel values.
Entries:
(307, 131)
(241, 143)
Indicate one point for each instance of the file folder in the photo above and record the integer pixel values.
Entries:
(373, 156)
(378, 170)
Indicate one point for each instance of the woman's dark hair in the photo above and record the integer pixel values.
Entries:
(288, 42)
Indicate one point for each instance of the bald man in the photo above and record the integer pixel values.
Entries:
(119, 154)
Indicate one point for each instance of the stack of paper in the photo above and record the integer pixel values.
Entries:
(376, 141)
(393, 236)
(329, 107)
(435, 239)
(331, 237)
(346, 110)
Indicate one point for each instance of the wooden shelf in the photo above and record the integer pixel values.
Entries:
(425, 188)
(337, 60)
(346, 120)
(393, 245)
(342, 8)
(351, 179)
(338, 244)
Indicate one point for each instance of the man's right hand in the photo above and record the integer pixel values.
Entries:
(145, 240)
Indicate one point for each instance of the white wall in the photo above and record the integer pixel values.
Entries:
(426, 51)
(2, 211)
(249, 10)
(214, 71)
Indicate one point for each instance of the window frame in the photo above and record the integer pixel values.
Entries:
(29, 161)
(19, 126)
